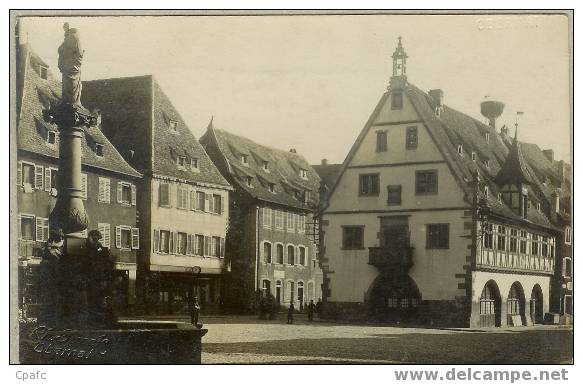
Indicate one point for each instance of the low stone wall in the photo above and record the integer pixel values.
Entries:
(131, 343)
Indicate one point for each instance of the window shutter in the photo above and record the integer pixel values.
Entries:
(38, 176)
(156, 240)
(135, 238)
(178, 200)
(117, 236)
(222, 247)
(192, 200)
(207, 245)
(19, 224)
(84, 185)
(46, 229)
(119, 192)
(19, 174)
(39, 229)
(222, 205)
(101, 194)
(107, 191)
(172, 247)
(207, 204)
(104, 229)
(188, 244)
(133, 194)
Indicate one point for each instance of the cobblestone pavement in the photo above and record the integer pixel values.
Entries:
(244, 340)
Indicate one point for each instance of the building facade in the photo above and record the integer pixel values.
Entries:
(184, 200)
(434, 219)
(109, 187)
(271, 244)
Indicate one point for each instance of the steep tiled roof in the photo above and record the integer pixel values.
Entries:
(38, 94)
(284, 169)
(514, 169)
(137, 116)
(452, 128)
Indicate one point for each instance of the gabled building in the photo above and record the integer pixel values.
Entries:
(434, 219)
(272, 237)
(184, 200)
(109, 185)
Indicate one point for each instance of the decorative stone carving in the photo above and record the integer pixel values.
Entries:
(70, 60)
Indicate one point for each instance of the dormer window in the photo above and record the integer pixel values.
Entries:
(51, 137)
(249, 181)
(460, 150)
(181, 162)
(473, 156)
(99, 149)
(487, 163)
(266, 166)
(173, 125)
(303, 174)
(43, 72)
(271, 187)
(244, 160)
(194, 163)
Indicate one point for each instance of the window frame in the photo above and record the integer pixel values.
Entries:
(425, 172)
(128, 229)
(22, 216)
(429, 238)
(372, 185)
(359, 245)
(54, 135)
(411, 137)
(382, 140)
(392, 190)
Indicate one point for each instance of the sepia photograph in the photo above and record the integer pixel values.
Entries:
(292, 187)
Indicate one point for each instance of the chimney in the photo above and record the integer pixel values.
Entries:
(549, 154)
(324, 162)
(293, 150)
(555, 205)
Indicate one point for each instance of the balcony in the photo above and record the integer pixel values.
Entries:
(391, 259)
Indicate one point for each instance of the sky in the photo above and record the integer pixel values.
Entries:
(311, 82)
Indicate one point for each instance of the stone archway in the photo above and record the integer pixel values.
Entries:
(536, 305)
(490, 305)
(516, 305)
(393, 299)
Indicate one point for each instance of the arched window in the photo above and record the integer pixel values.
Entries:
(291, 254)
(490, 305)
(267, 286)
(302, 255)
(279, 250)
(278, 292)
(267, 252)
(301, 293)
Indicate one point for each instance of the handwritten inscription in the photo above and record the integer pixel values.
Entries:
(61, 343)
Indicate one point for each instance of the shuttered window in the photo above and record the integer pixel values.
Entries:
(199, 245)
(181, 243)
(181, 197)
(104, 195)
(105, 230)
(200, 201)
(278, 219)
(26, 224)
(217, 204)
(28, 177)
(192, 200)
(123, 237)
(164, 195)
(124, 193)
(267, 217)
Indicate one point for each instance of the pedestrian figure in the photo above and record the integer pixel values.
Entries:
(319, 308)
(195, 312)
(290, 314)
(311, 310)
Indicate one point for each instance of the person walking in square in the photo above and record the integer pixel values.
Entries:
(311, 310)
(290, 313)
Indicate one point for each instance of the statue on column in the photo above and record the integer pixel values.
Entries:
(70, 60)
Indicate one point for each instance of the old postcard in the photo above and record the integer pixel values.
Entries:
(292, 187)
